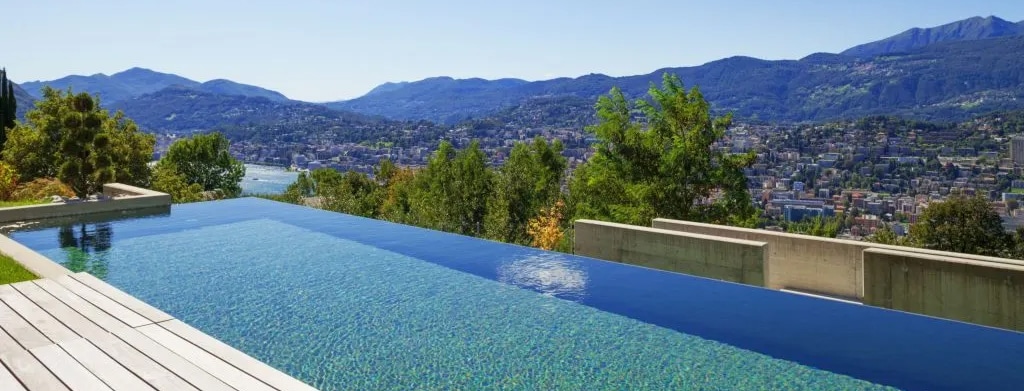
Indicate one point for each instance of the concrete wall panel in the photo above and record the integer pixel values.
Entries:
(700, 255)
(968, 290)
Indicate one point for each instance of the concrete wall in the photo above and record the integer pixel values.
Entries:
(726, 259)
(797, 262)
(124, 197)
(832, 267)
(987, 293)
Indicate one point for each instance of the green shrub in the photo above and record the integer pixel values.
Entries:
(8, 181)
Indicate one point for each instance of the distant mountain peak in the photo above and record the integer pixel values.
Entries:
(969, 29)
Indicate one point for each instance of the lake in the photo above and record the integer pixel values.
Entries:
(261, 179)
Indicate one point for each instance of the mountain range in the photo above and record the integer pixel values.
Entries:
(136, 82)
(948, 72)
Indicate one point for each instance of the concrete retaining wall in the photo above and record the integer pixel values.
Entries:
(124, 197)
(798, 262)
(987, 293)
(741, 261)
(832, 267)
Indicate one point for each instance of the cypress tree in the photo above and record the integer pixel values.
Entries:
(8, 106)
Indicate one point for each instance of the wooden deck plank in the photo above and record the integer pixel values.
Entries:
(146, 347)
(236, 358)
(69, 371)
(147, 311)
(102, 366)
(25, 367)
(56, 308)
(144, 367)
(20, 329)
(41, 320)
(109, 306)
(8, 381)
(222, 370)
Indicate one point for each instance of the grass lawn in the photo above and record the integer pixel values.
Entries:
(7, 204)
(12, 271)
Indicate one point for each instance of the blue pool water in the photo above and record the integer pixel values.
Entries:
(343, 302)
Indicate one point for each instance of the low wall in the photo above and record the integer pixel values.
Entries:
(833, 267)
(827, 266)
(987, 293)
(123, 197)
(726, 259)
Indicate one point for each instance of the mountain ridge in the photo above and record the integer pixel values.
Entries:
(974, 28)
(138, 81)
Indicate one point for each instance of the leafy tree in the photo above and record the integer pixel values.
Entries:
(961, 224)
(397, 186)
(828, 227)
(885, 235)
(85, 149)
(451, 193)
(33, 148)
(658, 159)
(545, 230)
(205, 160)
(8, 181)
(529, 180)
(8, 106)
(167, 180)
(355, 193)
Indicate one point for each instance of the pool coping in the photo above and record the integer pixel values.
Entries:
(121, 197)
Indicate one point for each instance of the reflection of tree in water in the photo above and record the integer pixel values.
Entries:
(86, 250)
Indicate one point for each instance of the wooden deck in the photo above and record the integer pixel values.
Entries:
(76, 332)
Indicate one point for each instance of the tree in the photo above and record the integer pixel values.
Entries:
(205, 159)
(33, 148)
(8, 107)
(397, 186)
(355, 193)
(658, 159)
(885, 235)
(85, 149)
(529, 180)
(167, 180)
(961, 224)
(545, 230)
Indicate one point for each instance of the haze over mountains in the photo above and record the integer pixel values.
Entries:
(948, 72)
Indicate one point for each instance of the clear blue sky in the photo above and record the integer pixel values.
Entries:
(319, 50)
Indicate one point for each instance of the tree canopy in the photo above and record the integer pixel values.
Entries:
(70, 136)
(658, 158)
(961, 224)
(205, 159)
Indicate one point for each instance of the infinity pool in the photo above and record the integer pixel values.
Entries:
(343, 302)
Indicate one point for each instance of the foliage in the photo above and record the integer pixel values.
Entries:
(545, 230)
(352, 193)
(451, 192)
(827, 227)
(205, 160)
(34, 147)
(11, 271)
(961, 224)
(41, 188)
(663, 166)
(169, 181)
(885, 235)
(8, 106)
(85, 150)
(397, 186)
(8, 181)
(529, 180)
